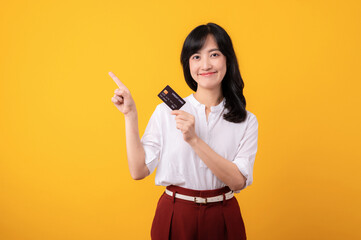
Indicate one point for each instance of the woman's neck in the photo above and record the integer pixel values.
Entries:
(209, 97)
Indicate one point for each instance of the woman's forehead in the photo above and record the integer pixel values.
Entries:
(209, 45)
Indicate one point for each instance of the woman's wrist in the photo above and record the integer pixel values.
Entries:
(194, 141)
(131, 115)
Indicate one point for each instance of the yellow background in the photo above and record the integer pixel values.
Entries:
(63, 166)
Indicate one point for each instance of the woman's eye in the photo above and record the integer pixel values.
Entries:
(195, 57)
(215, 54)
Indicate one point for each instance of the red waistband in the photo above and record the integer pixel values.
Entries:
(198, 193)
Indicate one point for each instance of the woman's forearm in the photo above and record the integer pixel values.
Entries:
(224, 170)
(135, 151)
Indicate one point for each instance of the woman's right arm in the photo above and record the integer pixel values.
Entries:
(135, 151)
(123, 100)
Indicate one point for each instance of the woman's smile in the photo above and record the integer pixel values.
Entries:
(207, 74)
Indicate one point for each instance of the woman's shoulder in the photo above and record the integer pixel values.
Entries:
(250, 114)
(251, 118)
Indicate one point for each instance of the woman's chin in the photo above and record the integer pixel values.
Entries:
(209, 87)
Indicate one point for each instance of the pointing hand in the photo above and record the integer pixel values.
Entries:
(122, 98)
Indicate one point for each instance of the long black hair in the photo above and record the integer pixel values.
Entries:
(232, 83)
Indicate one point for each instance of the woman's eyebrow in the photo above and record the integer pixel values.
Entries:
(211, 50)
(214, 49)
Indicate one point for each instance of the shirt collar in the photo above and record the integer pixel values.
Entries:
(216, 108)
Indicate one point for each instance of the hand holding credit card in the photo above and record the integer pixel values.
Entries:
(171, 98)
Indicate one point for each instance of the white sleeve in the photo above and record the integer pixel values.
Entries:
(247, 149)
(152, 140)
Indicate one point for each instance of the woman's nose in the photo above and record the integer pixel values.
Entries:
(206, 64)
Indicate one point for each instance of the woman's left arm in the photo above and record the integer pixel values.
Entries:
(225, 170)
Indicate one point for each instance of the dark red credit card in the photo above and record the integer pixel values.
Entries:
(171, 98)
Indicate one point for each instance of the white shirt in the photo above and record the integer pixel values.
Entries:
(176, 161)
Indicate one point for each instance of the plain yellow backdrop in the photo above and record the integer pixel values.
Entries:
(63, 165)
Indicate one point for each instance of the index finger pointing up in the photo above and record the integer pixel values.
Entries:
(116, 80)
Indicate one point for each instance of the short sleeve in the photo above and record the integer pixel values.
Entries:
(152, 141)
(247, 149)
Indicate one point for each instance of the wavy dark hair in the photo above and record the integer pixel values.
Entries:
(232, 83)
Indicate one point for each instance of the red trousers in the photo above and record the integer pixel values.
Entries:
(179, 219)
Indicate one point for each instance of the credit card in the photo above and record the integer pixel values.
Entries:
(171, 98)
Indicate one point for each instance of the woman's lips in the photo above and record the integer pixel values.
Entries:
(207, 74)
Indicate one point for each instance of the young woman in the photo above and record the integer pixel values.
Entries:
(204, 152)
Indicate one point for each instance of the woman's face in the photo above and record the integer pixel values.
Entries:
(208, 65)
